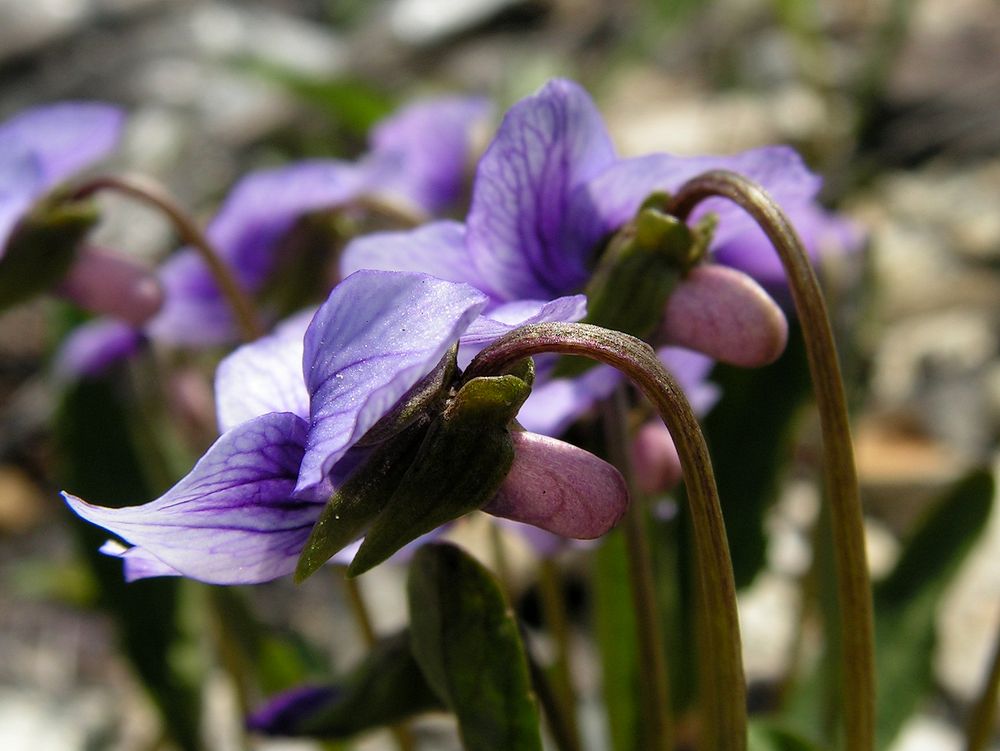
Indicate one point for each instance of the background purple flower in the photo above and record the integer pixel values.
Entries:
(42, 146)
(418, 158)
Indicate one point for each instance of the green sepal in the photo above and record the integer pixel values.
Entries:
(642, 266)
(359, 500)
(464, 637)
(42, 249)
(388, 686)
(421, 399)
(464, 458)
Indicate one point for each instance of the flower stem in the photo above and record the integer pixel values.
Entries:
(854, 588)
(981, 721)
(152, 193)
(554, 609)
(404, 739)
(653, 663)
(726, 688)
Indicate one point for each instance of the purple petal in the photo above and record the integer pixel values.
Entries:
(64, 137)
(560, 488)
(194, 312)
(613, 197)
(95, 346)
(283, 714)
(264, 205)
(264, 376)
(821, 232)
(547, 145)
(377, 334)
(259, 211)
(21, 179)
(234, 518)
(437, 249)
(138, 563)
(554, 405)
(422, 153)
(691, 370)
(522, 312)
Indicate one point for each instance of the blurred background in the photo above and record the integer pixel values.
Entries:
(895, 102)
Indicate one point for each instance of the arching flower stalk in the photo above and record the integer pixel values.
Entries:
(724, 697)
(854, 588)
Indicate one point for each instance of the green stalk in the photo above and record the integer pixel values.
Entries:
(150, 192)
(554, 609)
(727, 703)
(655, 692)
(854, 588)
(401, 733)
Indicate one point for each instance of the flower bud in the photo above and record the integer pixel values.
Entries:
(560, 488)
(105, 282)
(725, 314)
(655, 462)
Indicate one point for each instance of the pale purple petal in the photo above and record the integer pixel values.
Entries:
(423, 152)
(64, 137)
(138, 563)
(612, 198)
(234, 518)
(554, 405)
(823, 234)
(93, 347)
(194, 313)
(691, 370)
(264, 205)
(259, 211)
(437, 249)
(264, 376)
(377, 334)
(21, 179)
(547, 145)
(508, 317)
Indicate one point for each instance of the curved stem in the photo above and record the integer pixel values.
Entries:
(854, 588)
(554, 612)
(150, 192)
(653, 672)
(634, 358)
(401, 733)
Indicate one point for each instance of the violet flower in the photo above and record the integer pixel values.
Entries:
(549, 191)
(418, 161)
(293, 410)
(41, 147)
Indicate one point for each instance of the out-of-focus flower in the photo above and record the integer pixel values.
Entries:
(43, 146)
(295, 410)
(418, 161)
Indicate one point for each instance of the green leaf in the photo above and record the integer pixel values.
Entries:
(354, 505)
(750, 430)
(906, 601)
(386, 687)
(42, 249)
(614, 621)
(465, 639)
(464, 458)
